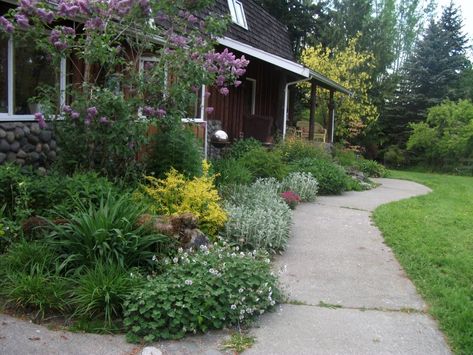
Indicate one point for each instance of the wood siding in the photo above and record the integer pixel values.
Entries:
(231, 109)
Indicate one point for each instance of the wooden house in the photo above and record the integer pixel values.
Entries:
(258, 108)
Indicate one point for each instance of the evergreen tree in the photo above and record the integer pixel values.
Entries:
(435, 72)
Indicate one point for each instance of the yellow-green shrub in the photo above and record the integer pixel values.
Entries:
(175, 195)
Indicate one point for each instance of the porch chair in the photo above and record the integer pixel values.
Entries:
(320, 133)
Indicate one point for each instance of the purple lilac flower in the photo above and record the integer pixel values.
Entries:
(6, 25)
(178, 40)
(224, 91)
(92, 112)
(45, 15)
(160, 112)
(103, 120)
(38, 116)
(67, 109)
(22, 21)
(75, 115)
(192, 19)
(148, 111)
(87, 121)
(95, 24)
(27, 6)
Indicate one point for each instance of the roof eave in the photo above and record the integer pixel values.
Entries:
(284, 63)
(327, 83)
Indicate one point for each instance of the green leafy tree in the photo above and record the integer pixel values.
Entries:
(446, 136)
(348, 68)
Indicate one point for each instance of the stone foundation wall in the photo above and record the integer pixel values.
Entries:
(25, 143)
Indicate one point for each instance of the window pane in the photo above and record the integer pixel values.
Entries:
(32, 69)
(3, 74)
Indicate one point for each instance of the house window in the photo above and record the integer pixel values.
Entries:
(23, 70)
(238, 13)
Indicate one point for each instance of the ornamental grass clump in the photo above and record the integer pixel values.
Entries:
(176, 195)
(209, 289)
(258, 216)
(303, 184)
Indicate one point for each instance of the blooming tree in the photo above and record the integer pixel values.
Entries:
(113, 95)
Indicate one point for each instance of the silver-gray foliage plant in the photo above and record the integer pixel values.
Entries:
(303, 184)
(258, 217)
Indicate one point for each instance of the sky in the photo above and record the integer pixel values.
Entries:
(467, 13)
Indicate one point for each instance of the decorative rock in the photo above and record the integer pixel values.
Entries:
(10, 137)
(19, 133)
(151, 350)
(34, 157)
(15, 146)
(28, 148)
(35, 128)
(33, 139)
(52, 155)
(11, 157)
(21, 154)
(45, 136)
(26, 143)
(8, 126)
(4, 146)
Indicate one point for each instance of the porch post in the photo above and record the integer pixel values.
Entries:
(331, 118)
(313, 106)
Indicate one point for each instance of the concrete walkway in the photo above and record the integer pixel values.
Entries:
(347, 294)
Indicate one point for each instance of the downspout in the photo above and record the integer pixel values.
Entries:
(286, 100)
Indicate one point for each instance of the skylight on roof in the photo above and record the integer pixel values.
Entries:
(238, 13)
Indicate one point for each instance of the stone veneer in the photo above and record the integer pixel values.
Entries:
(25, 143)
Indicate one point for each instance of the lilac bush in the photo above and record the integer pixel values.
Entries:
(116, 95)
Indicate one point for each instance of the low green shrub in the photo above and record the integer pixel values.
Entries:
(24, 193)
(303, 184)
(296, 149)
(174, 147)
(109, 233)
(372, 168)
(101, 290)
(331, 178)
(258, 217)
(36, 288)
(242, 147)
(23, 255)
(230, 171)
(209, 289)
(264, 164)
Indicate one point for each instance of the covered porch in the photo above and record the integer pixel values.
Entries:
(324, 132)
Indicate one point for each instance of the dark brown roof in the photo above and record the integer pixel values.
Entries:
(264, 31)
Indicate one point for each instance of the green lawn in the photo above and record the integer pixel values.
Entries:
(432, 237)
